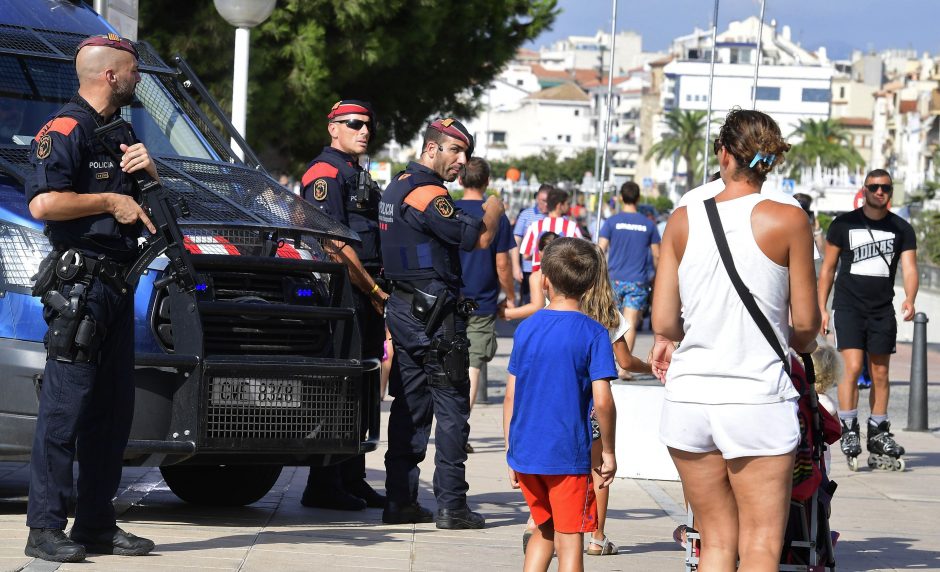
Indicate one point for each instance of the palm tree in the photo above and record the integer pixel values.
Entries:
(824, 140)
(686, 138)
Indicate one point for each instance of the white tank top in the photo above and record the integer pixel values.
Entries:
(724, 358)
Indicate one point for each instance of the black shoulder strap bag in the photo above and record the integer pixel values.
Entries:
(711, 209)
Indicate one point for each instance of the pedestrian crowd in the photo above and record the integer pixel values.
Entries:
(734, 291)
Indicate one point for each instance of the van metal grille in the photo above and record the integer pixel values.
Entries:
(329, 410)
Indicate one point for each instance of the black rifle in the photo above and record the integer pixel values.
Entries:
(163, 211)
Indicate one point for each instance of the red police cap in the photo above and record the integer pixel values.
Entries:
(453, 128)
(349, 107)
(110, 41)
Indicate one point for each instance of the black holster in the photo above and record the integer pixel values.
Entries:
(73, 335)
(453, 357)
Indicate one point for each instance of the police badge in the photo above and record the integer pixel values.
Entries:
(44, 148)
(319, 190)
(444, 207)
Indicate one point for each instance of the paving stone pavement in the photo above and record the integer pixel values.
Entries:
(888, 521)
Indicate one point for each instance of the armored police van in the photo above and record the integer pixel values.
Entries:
(247, 348)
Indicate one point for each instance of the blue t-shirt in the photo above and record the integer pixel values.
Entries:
(556, 356)
(630, 236)
(480, 281)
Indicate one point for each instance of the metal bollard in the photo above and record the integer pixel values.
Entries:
(917, 400)
(482, 390)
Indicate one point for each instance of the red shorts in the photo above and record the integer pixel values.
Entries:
(568, 500)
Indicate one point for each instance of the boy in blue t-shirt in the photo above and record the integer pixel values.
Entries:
(561, 361)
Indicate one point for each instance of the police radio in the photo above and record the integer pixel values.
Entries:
(163, 211)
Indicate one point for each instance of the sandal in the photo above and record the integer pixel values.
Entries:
(679, 535)
(601, 547)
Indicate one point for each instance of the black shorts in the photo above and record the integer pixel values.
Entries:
(876, 334)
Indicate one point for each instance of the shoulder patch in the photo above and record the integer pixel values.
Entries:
(421, 197)
(63, 125)
(317, 171)
(405, 176)
(444, 206)
(44, 148)
(319, 189)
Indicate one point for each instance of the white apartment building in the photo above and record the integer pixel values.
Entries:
(793, 84)
(591, 52)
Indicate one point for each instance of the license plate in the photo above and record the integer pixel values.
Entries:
(256, 392)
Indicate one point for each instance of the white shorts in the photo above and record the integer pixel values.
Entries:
(735, 429)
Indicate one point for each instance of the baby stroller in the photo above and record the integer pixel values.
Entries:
(807, 545)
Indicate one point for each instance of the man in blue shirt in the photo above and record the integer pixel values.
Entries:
(630, 238)
(534, 214)
(485, 272)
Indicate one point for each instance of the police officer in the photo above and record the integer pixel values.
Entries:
(422, 232)
(336, 183)
(93, 221)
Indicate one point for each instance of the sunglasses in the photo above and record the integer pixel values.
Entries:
(888, 189)
(355, 124)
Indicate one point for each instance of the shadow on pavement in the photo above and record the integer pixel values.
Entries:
(884, 552)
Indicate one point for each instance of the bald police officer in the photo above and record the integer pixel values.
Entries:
(338, 185)
(422, 233)
(93, 222)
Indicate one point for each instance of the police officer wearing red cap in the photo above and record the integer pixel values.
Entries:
(422, 233)
(336, 183)
(93, 222)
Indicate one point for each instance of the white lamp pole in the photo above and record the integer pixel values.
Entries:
(244, 15)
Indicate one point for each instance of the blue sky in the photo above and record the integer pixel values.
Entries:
(840, 25)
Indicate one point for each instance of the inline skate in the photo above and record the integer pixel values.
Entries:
(851, 443)
(884, 452)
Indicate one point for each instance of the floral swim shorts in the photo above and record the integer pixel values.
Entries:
(631, 295)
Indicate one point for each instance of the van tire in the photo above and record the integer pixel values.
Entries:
(221, 485)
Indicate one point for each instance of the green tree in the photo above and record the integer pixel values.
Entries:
(686, 137)
(825, 140)
(411, 59)
(547, 168)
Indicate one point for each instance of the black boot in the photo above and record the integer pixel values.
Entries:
(396, 513)
(325, 490)
(52, 544)
(111, 540)
(365, 491)
(459, 518)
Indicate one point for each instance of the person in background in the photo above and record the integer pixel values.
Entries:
(522, 270)
(486, 272)
(632, 241)
(556, 222)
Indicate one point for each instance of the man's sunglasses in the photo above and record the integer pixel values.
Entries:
(355, 124)
(888, 189)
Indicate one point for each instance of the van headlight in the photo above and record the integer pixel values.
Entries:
(21, 251)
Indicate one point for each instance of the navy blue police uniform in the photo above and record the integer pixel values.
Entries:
(332, 183)
(87, 393)
(422, 232)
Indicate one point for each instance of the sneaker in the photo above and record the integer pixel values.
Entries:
(413, 513)
(111, 540)
(459, 518)
(52, 544)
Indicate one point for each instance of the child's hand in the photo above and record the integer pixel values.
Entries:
(513, 479)
(607, 469)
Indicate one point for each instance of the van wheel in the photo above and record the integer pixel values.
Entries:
(220, 485)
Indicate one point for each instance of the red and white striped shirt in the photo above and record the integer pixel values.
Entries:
(562, 226)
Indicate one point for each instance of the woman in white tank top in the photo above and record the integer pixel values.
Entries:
(729, 415)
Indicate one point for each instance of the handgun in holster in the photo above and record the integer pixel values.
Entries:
(72, 333)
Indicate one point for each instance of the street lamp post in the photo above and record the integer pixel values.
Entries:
(244, 15)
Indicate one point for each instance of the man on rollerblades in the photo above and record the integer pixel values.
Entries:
(868, 243)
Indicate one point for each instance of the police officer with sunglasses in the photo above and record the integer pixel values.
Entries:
(342, 189)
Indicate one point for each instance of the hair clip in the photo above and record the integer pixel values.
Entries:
(761, 158)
